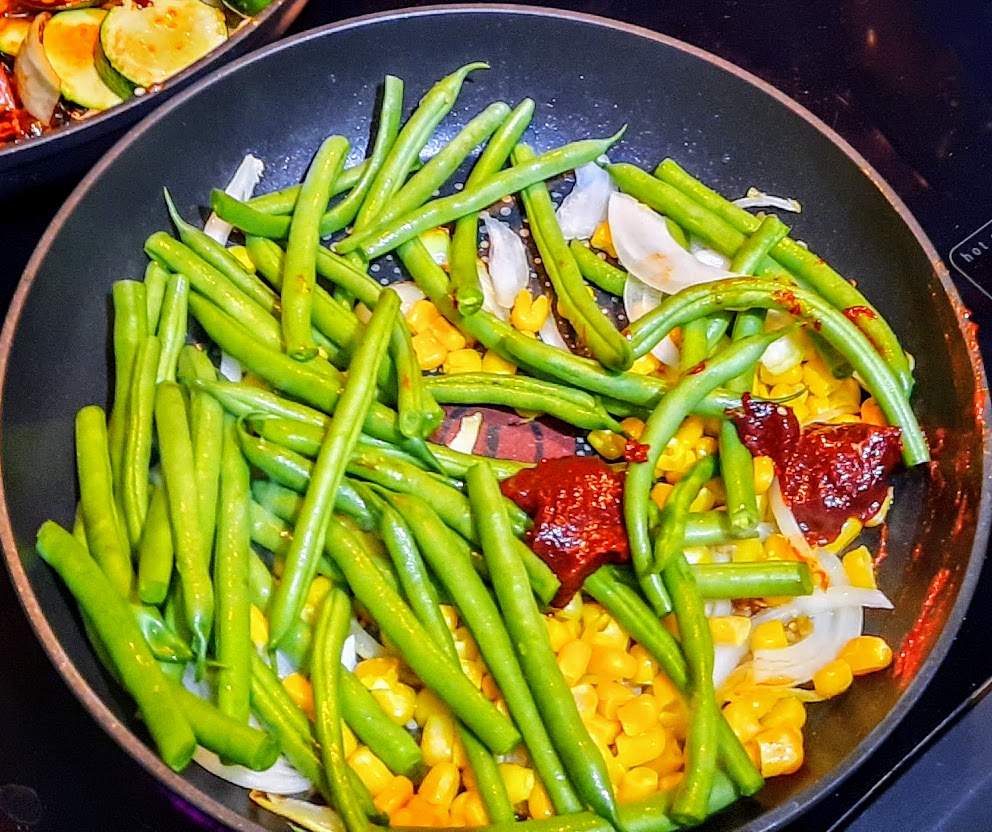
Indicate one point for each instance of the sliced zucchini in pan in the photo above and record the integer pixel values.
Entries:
(149, 43)
(70, 40)
(13, 30)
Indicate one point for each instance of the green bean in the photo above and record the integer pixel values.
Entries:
(105, 534)
(848, 339)
(166, 646)
(753, 580)
(466, 292)
(434, 106)
(747, 323)
(671, 529)
(694, 346)
(299, 266)
(233, 741)
(272, 530)
(709, 528)
(401, 627)
(526, 628)
(156, 278)
(130, 330)
(155, 550)
(250, 220)
(172, 326)
(342, 435)
(811, 270)
(215, 286)
(112, 620)
(660, 428)
(574, 407)
(378, 241)
(138, 437)
(232, 638)
(217, 256)
(693, 792)
(325, 675)
(591, 325)
(191, 549)
(286, 503)
(737, 469)
(284, 201)
(390, 742)
(596, 270)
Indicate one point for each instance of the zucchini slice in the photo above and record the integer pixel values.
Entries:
(149, 43)
(13, 30)
(70, 39)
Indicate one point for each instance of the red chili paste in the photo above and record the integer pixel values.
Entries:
(827, 473)
(578, 518)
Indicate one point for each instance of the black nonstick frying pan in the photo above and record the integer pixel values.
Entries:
(588, 77)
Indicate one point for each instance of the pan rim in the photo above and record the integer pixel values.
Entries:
(768, 820)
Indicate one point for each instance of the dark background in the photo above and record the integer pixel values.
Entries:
(909, 84)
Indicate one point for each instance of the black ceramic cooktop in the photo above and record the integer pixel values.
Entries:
(909, 84)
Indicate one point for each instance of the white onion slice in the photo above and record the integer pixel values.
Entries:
(349, 655)
(646, 248)
(280, 778)
(230, 367)
(704, 254)
(38, 85)
(507, 261)
(718, 607)
(785, 353)
(409, 293)
(638, 300)
(302, 813)
(241, 186)
(726, 657)
(759, 199)
(582, 211)
(437, 241)
(366, 647)
(489, 302)
(468, 433)
(798, 662)
(786, 520)
(551, 335)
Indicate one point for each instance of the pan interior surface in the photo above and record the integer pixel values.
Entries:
(588, 78)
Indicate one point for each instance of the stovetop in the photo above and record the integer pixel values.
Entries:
(909, 84)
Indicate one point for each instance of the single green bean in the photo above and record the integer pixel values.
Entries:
(191, 548)
(155, 550)
(112, 620)
(671, 529)
(596, 270)
(709, 528)
(737, 469)
(377, 241)
(130, 330)
(105, 533)
(284, 201)
(554, 701)
(166, 646)
(138, 437)
(286, 503)
(172, 326)
(694, 347)
(156, 278)
(356, 399)
(753, 580)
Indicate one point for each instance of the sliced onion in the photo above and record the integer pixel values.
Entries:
(704, 254)
(786, 520)
(507, 261)
(582, 211)
(489, 302)
(726, 657)
(718, 607)
(38, 85)
(551, 335)
(468, 433)
(280, 778)
(303, 813)
(786, 352)
(241, 186)
(230, 367)
(366, 647)
(409, 293)
(437, 241)
(759, 199)
(638, 300)
(646, 248)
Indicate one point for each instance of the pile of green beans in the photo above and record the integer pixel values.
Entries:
(308, 495)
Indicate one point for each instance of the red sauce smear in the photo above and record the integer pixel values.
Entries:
(578, 520)
(827, 473)
(853, 313)
(15, 122)
(634, 451)
(924, 630)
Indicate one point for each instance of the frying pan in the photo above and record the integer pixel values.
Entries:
(588, 76)
(69, 151)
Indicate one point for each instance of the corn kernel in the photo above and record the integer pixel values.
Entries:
(660, 493)
(787, 712)
(669, 761)
(633, 427)
(573, 660)
(730, 629)
(603, 731)
(879, 516)
(637, 750)
(777, 547)
(519, 781)
(614, 768)
(647, 667)
(301, 692)
(748, 551)
(475, 810)
(609, 635)
(704, 500)
(664, 691)
(489, 688)
(379, 673)
(794, 375)
(764, 473)
(704, 446)
(780, 751)
(421, 316)
(399, 702)
(572, 611)
(315, 597)
(349, 740)
(639, 782)
(429, 351)
(612, 663)
(456, 812)
(438, 739)
(259, 627)
(859, 568)
(539, 803)
(585, 699)
(465, 645)
(769, 635)
(440, 784)
(424, 813)
(450, 616)
(612, 695)
(462, 361)
(474, 670)
(645, 365)
(449, 337)
(759, 703)
(639, 714)
(396, 794)
(872, 413)
(818, 377)
(691, 430)
(603, 239)
(848, 395)
(428, 704)
(866, 654)
(493, 362)
(370, 770)
(667, 782)
(558, 632)
(607, 444)
(742, 721)
(529, 313)
(240, 253)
